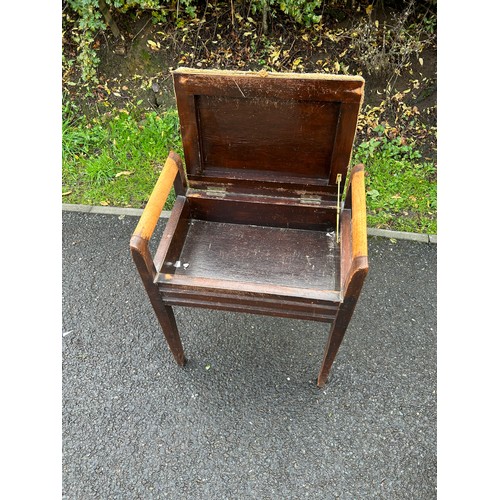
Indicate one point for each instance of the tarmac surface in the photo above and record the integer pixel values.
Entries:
(244, 419)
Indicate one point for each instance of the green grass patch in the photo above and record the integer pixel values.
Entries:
(401, 188)
(115, 160)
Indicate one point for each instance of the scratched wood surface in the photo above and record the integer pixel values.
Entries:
(250, 131)
(294, 138)
(261, 211)
(259, 254)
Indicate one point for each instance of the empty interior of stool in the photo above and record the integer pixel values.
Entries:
(259, 254)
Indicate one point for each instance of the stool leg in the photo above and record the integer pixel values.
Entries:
(341, 322)
(166, 317)
(332, 346)
(337, 332)
(164, 313)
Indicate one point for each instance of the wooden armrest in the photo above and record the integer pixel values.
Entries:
(151, 213)
(354, 242)
(356, 199)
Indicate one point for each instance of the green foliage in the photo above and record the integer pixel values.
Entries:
(302, 11)
(116, 159)
(90, 22)
(401, 188)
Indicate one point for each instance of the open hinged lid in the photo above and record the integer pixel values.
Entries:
(288, 134)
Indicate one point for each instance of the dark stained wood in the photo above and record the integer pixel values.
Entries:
(264, 211)
(180, 181)
(231, 127)
(248, 297)
(174, 233)
(243, 287)
(164, 313)
(295, 187)
(174, 292)
(341, 155)
(258, 254)
(262, 85)
(253, 226)
(345, 247)
(312, 314)
(343, 317)
(304, 126)
(189, 129)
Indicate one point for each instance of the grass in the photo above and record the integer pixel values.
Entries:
(401, 188)
(115, 160)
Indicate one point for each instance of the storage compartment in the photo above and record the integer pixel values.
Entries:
(258, 254)
(228, 239)
(254, 226)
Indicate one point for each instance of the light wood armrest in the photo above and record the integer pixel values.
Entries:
(139, 242)
(356, 200)
(151, 213)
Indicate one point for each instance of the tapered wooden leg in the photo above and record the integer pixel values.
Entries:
(346, 308)
(166, 317)
(337, 332)
(163, 312)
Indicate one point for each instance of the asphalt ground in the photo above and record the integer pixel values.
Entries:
(244, 419)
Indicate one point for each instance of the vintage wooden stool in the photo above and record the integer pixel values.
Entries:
(258, 225)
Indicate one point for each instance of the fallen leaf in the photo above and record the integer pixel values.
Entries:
(153, 45)
(66, 193)
(274, 56)
(104, 203)
(125, 172)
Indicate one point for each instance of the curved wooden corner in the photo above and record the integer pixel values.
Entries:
(176, 158)
(358, 207)
(139, 248)
(355, 278)
(138, 245)
(152, 211)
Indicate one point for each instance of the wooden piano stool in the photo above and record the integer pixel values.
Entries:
(264, 221)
